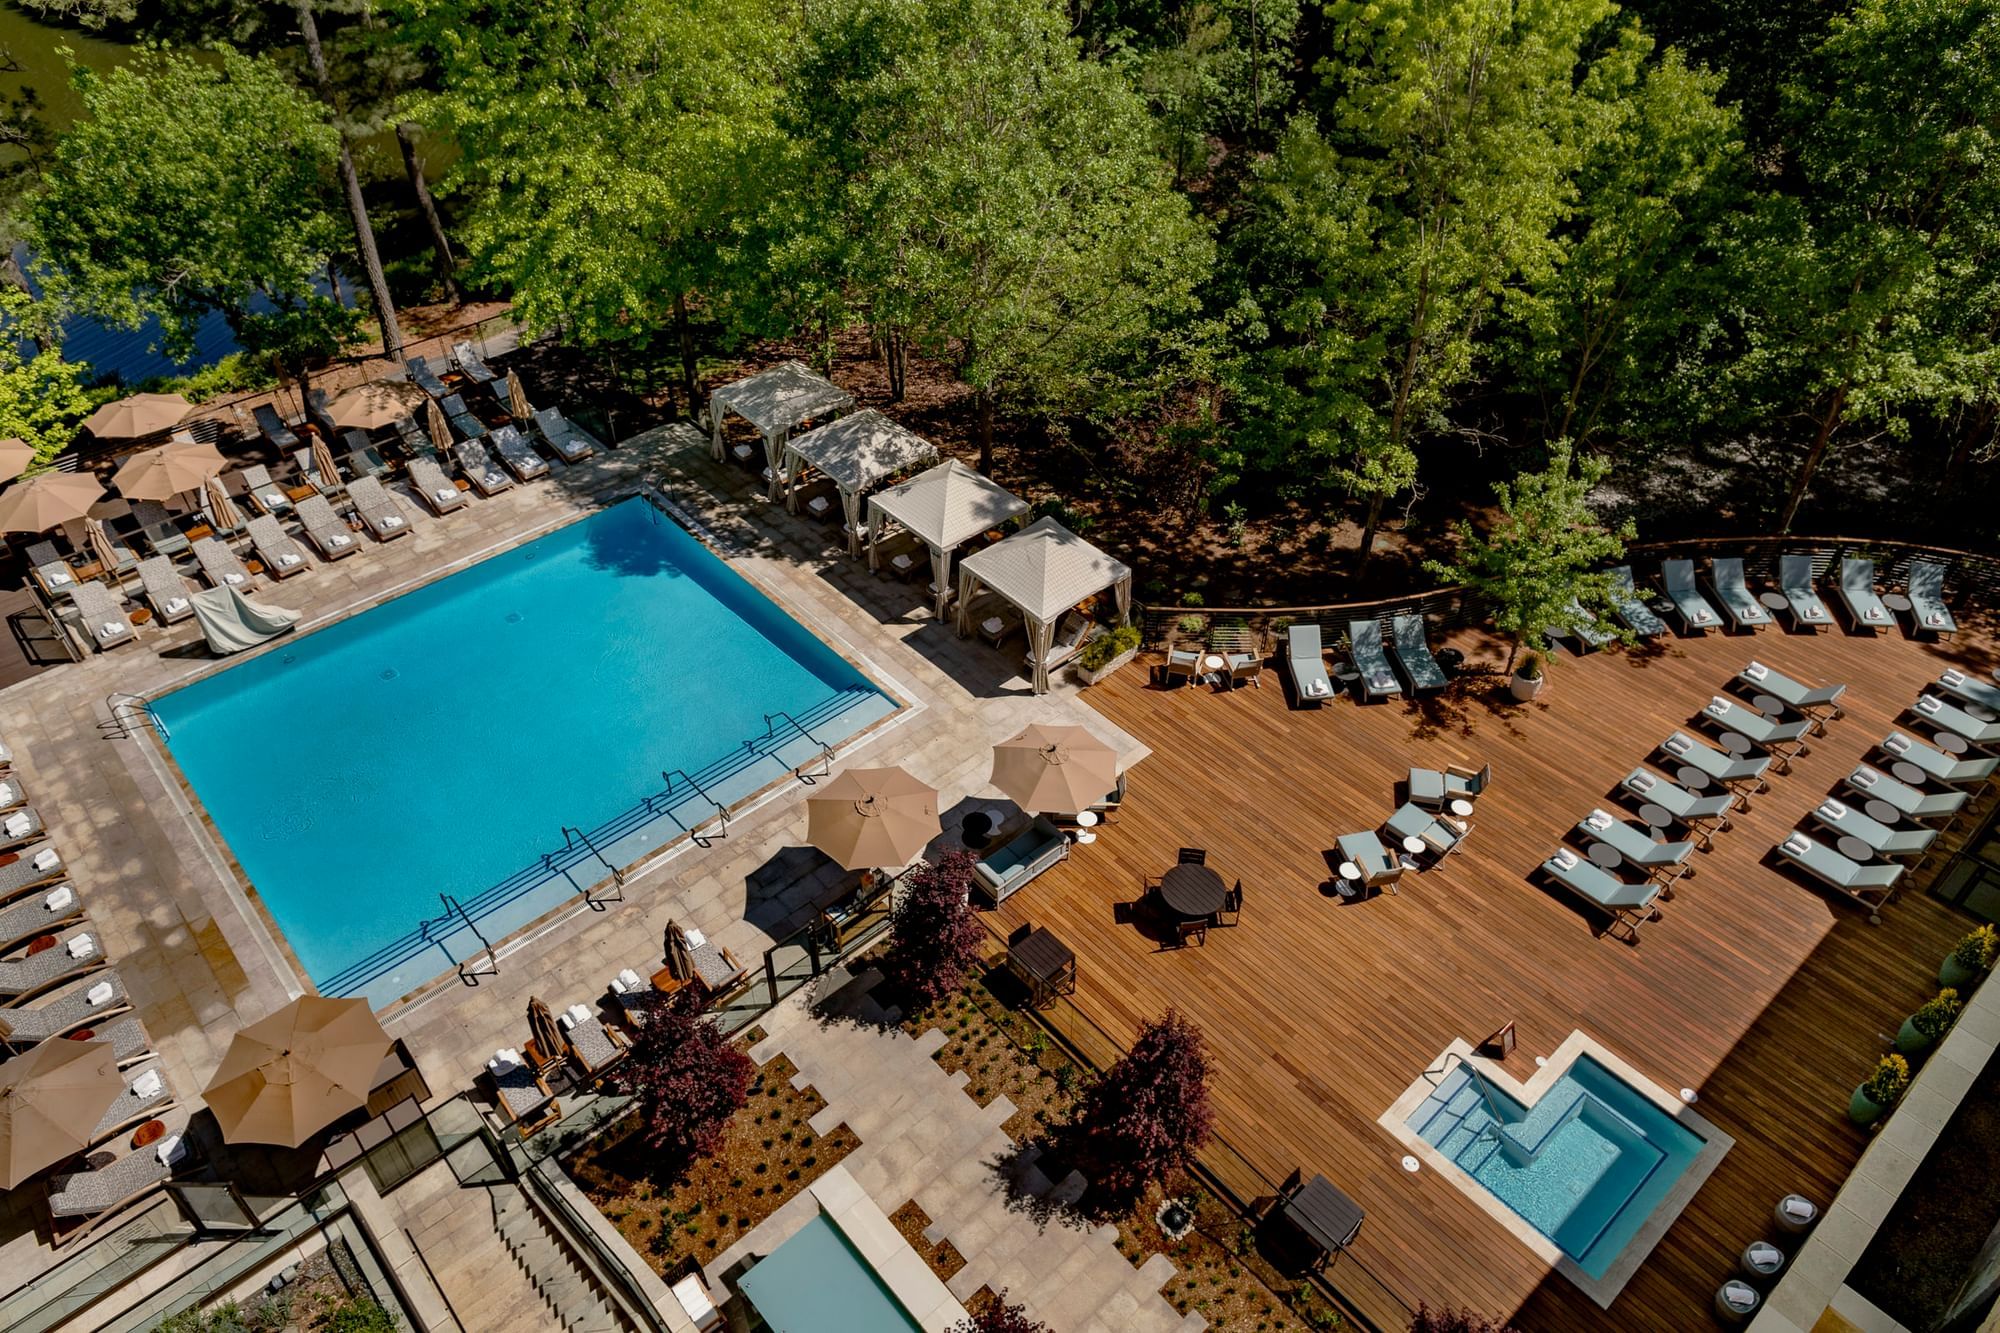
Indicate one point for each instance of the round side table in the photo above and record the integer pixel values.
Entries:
(1691, 777)
(149, 1133)
(1770, 705)
(1881, 811)
(1655, 815)
(1774, 600)
(1461, 807)
(1350, 880)
(1907, 773)
(1980, 713)
(1853, 848)
(1604, 854)
(1736, 743)
(1414, 846)
(1951, 742)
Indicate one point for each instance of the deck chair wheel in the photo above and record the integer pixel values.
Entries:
(1874, 918)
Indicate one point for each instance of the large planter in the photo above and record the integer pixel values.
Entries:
(1861, 1109)
(1956, 974)
(1524, 688)
(1910, 1041)
(1089, 677)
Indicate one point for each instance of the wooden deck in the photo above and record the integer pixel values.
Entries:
(1765, 994)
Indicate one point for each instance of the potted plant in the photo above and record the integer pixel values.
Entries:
(1879, 1093)
(1923, 1029)
(1972, 957)
(1105, 653)
(1528, 678)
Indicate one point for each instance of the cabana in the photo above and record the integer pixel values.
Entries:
(1044, 570)
(774, 401)
(944, 507)
(855, 452)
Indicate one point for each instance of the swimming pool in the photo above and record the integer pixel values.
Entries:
(1586, 1166)
(442, 742)
(816, 1282)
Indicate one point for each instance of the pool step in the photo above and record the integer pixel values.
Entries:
(561, 1282)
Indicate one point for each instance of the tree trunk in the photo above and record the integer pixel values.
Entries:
(1368, 528)
(897, 355)
(1814, 456)
(986, 431)
(1967, 445)
(406, 137)
(357, 207)
(690, 381)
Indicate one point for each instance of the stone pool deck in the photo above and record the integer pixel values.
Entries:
(198, 958)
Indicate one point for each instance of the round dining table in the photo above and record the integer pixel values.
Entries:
(1192, 892)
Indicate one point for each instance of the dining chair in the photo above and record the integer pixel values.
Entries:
(1197, 929)
(1194, 856)
(1232, 906)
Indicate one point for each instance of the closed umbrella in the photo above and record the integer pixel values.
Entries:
(294, 1072)
(1054, 770)
(517, 398)
(15, 455)
(48, 500)
(440, 429)
(51, 1100)
(167, 470)
(322, 457)
(99, 538)
(140, 415)
(542, 1027)
(867, 817)
(373, 405)
(222, 511)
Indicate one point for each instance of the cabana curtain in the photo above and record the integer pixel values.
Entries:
(774, 401)
(1044, 570)
(855, 452)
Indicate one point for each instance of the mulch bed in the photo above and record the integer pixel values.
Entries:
(1218, 1272)
(943, 1258)
(1001, 1052)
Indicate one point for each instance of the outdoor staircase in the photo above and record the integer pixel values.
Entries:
(1457, 1121)
(561, 1282)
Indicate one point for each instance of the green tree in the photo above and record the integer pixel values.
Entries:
(41, 395)
(194, 185)
(1541, 557)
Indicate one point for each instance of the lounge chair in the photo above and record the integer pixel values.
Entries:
(1413, 651)
(1873, 784)
(471, 364)
(467, 425)
(51, 570)
(147, 1093)
(1925, 589)
(380, 512)
(425, 378)
(1727, 769)
(38, 912)
(1845, 821)
(715, 968)
(21, 826)
(594, 1047)
(1857, 592)
(1586, 628)
(1628, 905)
(995, 620)
(265, 496)
(522, 1095)
(1819, 703)
(434, 488)
(220, 566)
(1305, 662)
(1240, 659)
(1627, 605)
(1638, 847)
(1869, 885)
(12, 793)
(102, 618)
(74, 956)
(1704, 816)
(108, 1188)
(1969, 689)
(83, 1003)
(1795, 580)
(1067, 643)
(479, 468)
(363, 458)
(1725, 576)
(327, 531)
(1378, 864)
(519, 456)
(157, 527)
(571, 442)
(319, 411)
(307, 467)
(1781, 740)
(1952, 718)
(412, 437)
(1935, 763)
(35, 868)
(1441, 835)
(273, 428)
(166, 591)
(1364, 643)
(1677, 578)
(281, 555)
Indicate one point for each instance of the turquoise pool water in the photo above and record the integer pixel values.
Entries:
(816, 1283)
(1585, 1167)
(442, 742)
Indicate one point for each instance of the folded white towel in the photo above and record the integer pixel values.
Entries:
(82, 946)
(695, 939)
(819, 504)
(1797, 844)
(1565, 858)
(1718, 707)
(1318, 688)
(1832, 809)
(59, 898)
(148, 1085)
(171, 1150)
(494, 479)
(1953, 677)
(446, 494)
(232, 579)
(1929, 703)
(1798, 1209)
(110, 629)
(1640, 782)
(579, 1013)
(18, 824)
(992, 624)
(8, 793)
(1875, 613)
(1739, 1295)
(902, 560)
(565, 1020)
(1865, 777)
(1703, 616)
(392, 521)
(504, 1061)
(1934, 618)
(630, 978)
(1675, 744)
(289, 558)
(338, 540)
(272, 499)
(46, 859)
(101, 993)
(1897, 744)
(59, 577)
(1598, 820)
(1756, 671)
(176, 605)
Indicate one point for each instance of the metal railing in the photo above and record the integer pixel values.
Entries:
(825, 750)
(572, 836)
(128, 711)
(721, 810)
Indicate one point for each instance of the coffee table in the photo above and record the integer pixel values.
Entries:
(1691, 777)
(1881, 811)
(1853, 848)
(1907, 772)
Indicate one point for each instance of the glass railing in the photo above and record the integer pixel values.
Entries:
(107, 1263)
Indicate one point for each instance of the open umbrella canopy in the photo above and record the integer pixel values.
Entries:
(167, 470)
(1054, 770)
(51, 1100)
(42, 502)
(15, 456)
(138, 416)
(294, 1072)
(374, 405)
(868, 817)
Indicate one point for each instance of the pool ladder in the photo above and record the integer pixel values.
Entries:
(129, 711)
(825, 751)
(699, 838)
(571, 838)
(469, 971)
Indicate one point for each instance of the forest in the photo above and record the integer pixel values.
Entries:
(1238, 266)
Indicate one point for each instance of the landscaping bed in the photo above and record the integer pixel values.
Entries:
(769, 1153)
(1218, 1272)
(943, 1258)
(1001, 1051)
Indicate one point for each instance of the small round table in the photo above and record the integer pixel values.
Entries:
(1655, 815)
(149, 1133)
(1086, 827)
(1951, 742)
(1980, 713)
(1896, 601)
(1414, 846)
(1853, 848)
(1350, 879)
(1461, 807)
(1907, 772)
(1449, 659)
(976, 828)
(1881, 811)
(1212, 664)
(1736, 743)
(1192, 892)
(1604, 854)
(1691, 777)
(41, 944)
(84, 1034)
(1770, 705)
(1775, 600)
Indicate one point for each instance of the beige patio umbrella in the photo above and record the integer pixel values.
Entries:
(47, 500)
(374, 405)
(167, 470)
(294, 1072)
(517, 398)
(867, 817)
(438, 427)
(15, 456)
(1054, 770)
(140, 415)
(50, 1102)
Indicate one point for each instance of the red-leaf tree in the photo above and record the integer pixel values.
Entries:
(1000, 1317)
(687, 1078)
(1150, 1113)
(934, 937)
(1450, 1320)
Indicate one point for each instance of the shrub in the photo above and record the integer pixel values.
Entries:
(1104, 647)
(225, 1318)
(934, 937)
(1150, 1113)
(1977, 949)
(1192, 598)
(1446, 1319)
(1936, 1015)
(1531, 667)
(687, 1078)
(1000, 1317)
(359, 1316)
(1192, 625)
(1886, 1084)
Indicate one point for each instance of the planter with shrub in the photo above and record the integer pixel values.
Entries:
(1879, 1093)
(1971, 959)
(1926, 1027)
(1528, 678)
(1106, 652)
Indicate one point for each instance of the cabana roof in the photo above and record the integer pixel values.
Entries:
(862, 448)
(1045, 569)
(949, 504)
(778, 399)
